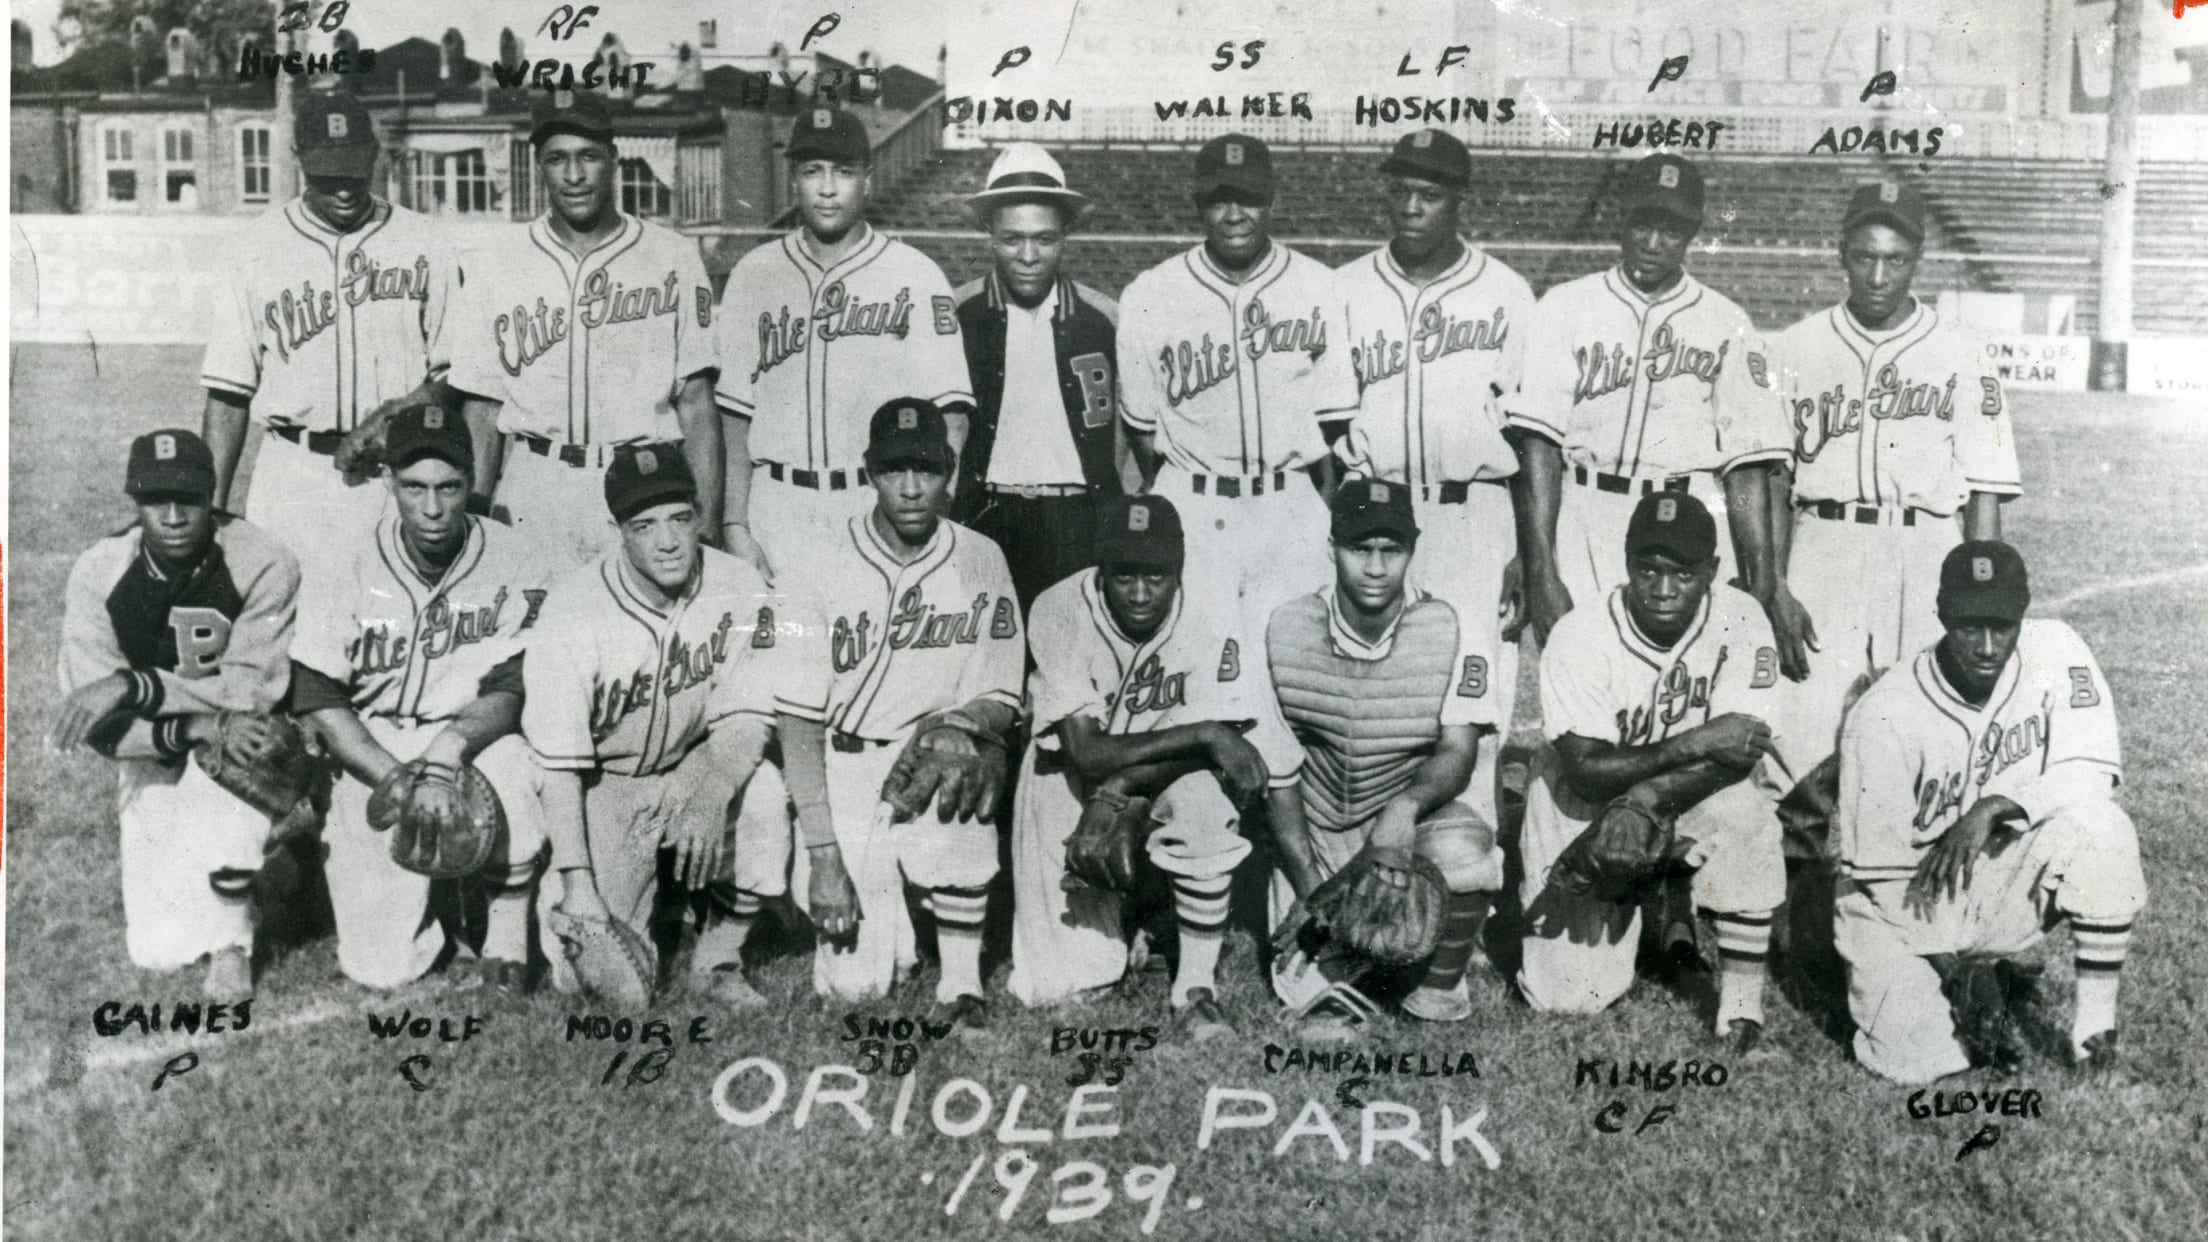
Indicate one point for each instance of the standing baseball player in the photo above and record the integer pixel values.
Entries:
(1663, 692)
(1232, 361)
(333, 316)
(409, 648)
(182, 617)
(1641, 379)
(1141, 700)
(1437, 333)
(927, 658)
(586, 330)
(1977, 809)
(1388, 693)
(651, 686)
(816, 332)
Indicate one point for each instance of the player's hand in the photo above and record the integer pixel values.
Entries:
(1735, 739)
(1946, 869)
(86, 708)
(1547, 601)
(1241, 769)
(697, 839)
(832, 898)
(737, 540)
(1511, 608)
(1796, 632)
(1394, 837)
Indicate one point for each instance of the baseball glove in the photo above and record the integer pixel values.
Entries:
(359, 455)
(266, 761)
(1104, 846)
(933, 768)
(1364, 912)
(611, 961)
(1807, 812)
(1621, 855)
(445, 822)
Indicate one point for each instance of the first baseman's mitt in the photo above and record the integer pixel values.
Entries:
(1364, 912)
(447, 821)
(962, 785)
(265, 760)
(1621, 855)
(359, 456)
(1105, 845)
(611, 961)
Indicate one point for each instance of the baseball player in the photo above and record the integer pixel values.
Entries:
(1386, 690)
(1641, 379)
(586, 330)
(182, 616)
(1437, 332)
(409, 648)
(1137, 691)
(924, 632)
(651, 685)
(1664, 691)
(816, 332)
(1977, 809)
(333, 315)
(1898, 427)
(1233, 360)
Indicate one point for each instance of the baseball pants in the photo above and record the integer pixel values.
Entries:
(2082, 863)
(189, 853)
(1590, 530)
(558, 507)
(1452, 837)
(1045, 538)
(795, 524)
(1579, 951)
(1064, 944)
(386, 935)
(1251, 551)
(298, 496)
(882, 857)
(1463, 550)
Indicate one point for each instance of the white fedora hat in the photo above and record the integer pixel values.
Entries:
(1025, 173)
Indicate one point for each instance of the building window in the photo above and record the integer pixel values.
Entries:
(179, 170)
(698, 183)
(254, 176)
(117, 161)
(458, 182)
(643, 194)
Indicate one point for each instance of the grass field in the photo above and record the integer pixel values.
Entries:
(302, 1126)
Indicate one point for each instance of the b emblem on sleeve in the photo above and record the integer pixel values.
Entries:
(908, 419)
(433, 418)
(705, 307)
(647, 462)
(1668, 176)
(164, 447)
(1667, 510)
(821, 119)
(1888, 192)
(338, 126)
(1756, 371)
(1138, 519)
(1234, 155)
(1981, 569)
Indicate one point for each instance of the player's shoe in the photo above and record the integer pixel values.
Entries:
(1337, 1015)
(229, 977)
(1451, 1004)
(968, 1013)
(2097, 1054)
(1742, 1036)
(725, 985)
(503, 978)
(1201, 1020)
(1977, 989)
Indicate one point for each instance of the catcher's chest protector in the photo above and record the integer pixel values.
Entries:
(1365, 724)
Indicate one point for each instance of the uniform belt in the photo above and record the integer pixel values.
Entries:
(836, 480)
(1626, 485)
(1231, 487)
(577, 455)
(1867, 515)
(1030, 491)
(852, 743)
(322, 442)
(1454, 493)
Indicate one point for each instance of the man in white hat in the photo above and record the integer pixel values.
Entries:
(1045, 448)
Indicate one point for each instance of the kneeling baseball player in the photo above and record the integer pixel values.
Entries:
(1388, 690)
(1654, 702)
(1140, 704)
(1977, 809)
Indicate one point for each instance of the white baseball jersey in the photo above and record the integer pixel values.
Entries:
(1601, 679)
(1634, 385)
(316, 328)
(589, 350)
(809, 352)
(407, 647)
(1909, 416)
(1235, 378)
(907, 641)
(615, 681)
(1433, 364)
(1914, 755)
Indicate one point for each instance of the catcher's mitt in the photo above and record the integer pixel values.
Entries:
(1807, 812)
(932, 769)
(1365, 913)
(447, 821)
(1621, 855)
(267, 762)
(611, 961)
(1102, 851)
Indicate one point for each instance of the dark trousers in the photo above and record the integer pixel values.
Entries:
(1045, 538)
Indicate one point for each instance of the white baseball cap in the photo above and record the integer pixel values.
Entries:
(1025, 173)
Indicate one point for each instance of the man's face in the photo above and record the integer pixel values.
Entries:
(1978, 648)
(1235, 229)
(1423, 214)
(1881, 264)
(578, 178)
(910, 497)
(1652, 248)
(432, 496)
(1027, 239)
(1370, 571)
(176, 526)
(661, 544)
(831, 196)
(343, 203)
(1139, 596)
(1664, 593)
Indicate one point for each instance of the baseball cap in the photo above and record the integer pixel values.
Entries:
(173, 460)
(570, 112)
(1364, 508)
(1664, 183)
(1140, 530)
(333, 135)
(1236, 165)
(1675, 524)
(428, 430)
(1894, 203)
(1025, 173)
(1984, 578)
(1431, 155)
(652, 472)
(909, 430)
(829, 134)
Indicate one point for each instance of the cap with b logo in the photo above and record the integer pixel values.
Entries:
(333, 135)
(570, 112)
(1365, 508)
(1984, 579)
(647, 474)
(1664, 183)
(824, 133)
(1431, 155)
(1896, 204)
(1139, 530)
(909, 431)
(1675, 524)
(172, 460)
(1235, 166)
(428, 430)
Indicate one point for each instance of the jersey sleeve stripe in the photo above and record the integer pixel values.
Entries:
(242, 388)
(815, 712)
(2005, 487)
(1519, 418)
(1752, 458)
(565, 762)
